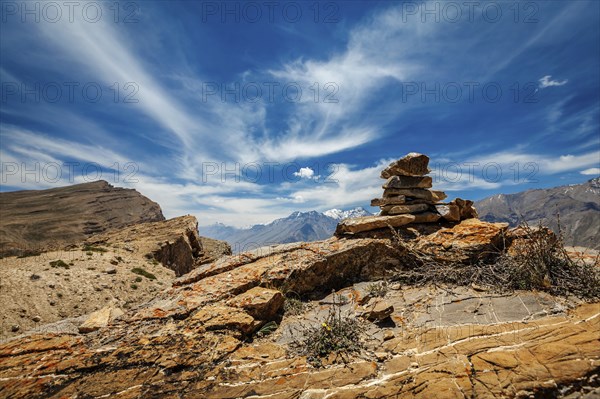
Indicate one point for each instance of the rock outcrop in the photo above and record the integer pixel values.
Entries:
(175, 243)
(467, 242)
(408, 199)
(204, 337)
(212, 249)
(125, 266)
(35, 221)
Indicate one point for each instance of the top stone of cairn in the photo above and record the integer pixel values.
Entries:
(413, 164)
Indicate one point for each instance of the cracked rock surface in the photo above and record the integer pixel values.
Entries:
(198, 339)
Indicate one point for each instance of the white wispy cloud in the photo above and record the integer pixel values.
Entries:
(378, 54)
(38, 147)
(534, 164)
(493, 171)
(381, 51)
(591, 172)
(547, 81)
(101, 49)
(351, 77)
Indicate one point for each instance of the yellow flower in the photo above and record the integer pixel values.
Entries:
(326, 326)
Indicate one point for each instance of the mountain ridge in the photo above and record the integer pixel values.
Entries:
(576, 206)
(572, 209)
(32, 220)
(298, 226)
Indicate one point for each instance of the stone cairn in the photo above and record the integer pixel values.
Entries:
(408, 199)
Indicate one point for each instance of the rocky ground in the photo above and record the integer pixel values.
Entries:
(87, 281)
(233, 328)
(120, 268)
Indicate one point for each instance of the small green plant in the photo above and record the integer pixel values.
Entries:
(134, 286)
(59, 263)
(93, 248)
(378, 289)
(267, 329)
(338, 334)
(138, 279)
(144, 273)
(89, 253)
(293, 306)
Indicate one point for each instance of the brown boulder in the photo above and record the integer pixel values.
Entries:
(466, 208)
(413, 164)
(418, 193)
(100, 318)
(261, 303)
(368, 223)
(450, 212)
(377, 310)
(402, 209)
(174, 242)
(212, 250)
(426, 217)
(219, 317)
(468, 241)
(395, 200)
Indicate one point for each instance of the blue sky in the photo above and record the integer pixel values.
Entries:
(242, 112)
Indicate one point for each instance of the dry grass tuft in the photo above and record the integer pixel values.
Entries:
(535, 260)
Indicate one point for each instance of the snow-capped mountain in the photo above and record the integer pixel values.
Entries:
(339, 214)
(299, 226)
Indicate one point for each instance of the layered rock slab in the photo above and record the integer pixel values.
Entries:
(100, 318)
(413, 164)
(408, 182)
(368, 223)
(467, 242)
(428, 195)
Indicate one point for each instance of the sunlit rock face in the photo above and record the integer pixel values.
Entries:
(202, 337)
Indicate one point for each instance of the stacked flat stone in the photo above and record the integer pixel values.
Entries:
(408, 199)
(407, 191)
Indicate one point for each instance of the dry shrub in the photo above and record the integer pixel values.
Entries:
(338, 334)
(536, 260)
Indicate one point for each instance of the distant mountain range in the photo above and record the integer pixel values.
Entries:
(299, 226)
(578, 206)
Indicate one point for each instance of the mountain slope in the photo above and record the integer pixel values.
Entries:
(577, 205)
(33, 220)
(299, 226)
